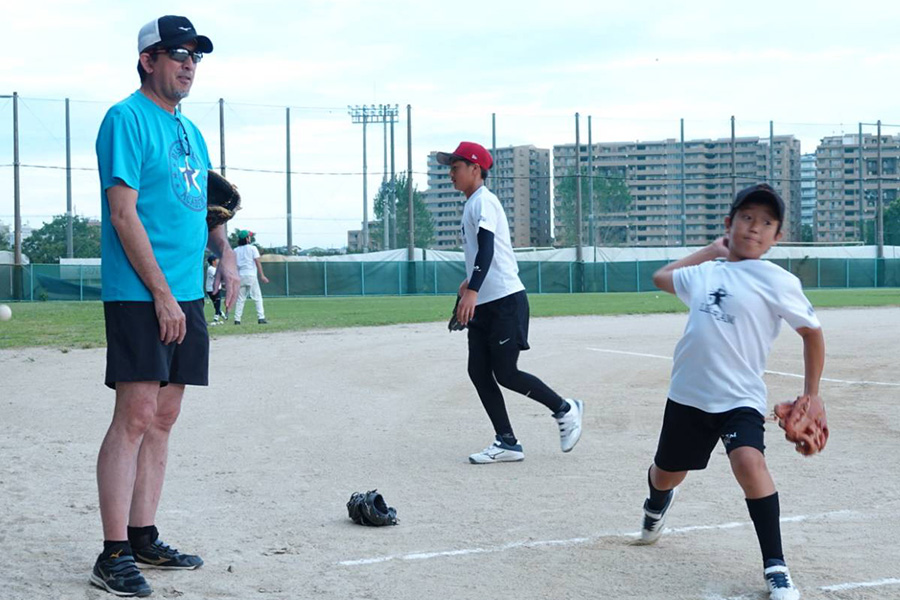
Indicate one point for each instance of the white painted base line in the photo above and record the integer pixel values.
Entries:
(826, 588)
(865, 584)
(577, 541)
(781, 373)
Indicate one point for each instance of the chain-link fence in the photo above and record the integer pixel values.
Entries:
(400, 278)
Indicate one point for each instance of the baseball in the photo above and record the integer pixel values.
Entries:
(5, 312)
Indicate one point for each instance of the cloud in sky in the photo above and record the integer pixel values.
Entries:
(814, 68)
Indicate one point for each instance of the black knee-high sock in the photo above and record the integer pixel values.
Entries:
(657, 498)
(765, 514)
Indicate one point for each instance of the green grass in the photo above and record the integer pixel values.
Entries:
(67, 325)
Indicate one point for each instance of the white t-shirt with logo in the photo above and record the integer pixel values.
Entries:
(246, 259)
(483, 211)
(735, 315)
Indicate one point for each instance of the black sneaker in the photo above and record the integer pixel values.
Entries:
(119, 575)
(237, 322)
(160, 555)
(262, 322)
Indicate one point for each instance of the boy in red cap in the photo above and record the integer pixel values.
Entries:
(494, 307)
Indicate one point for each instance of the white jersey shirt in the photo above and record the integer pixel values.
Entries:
(484, 211)
(210, 278)
(735, 314)
(246, 259)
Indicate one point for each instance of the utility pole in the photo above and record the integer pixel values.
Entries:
(290, 216)
(411, 243)
(579, 237)
(393, 198)
(70, 243)
(879, 203)
(17, 206)
(733, 163)
(683, 192)
(591, 223)
(862, 189)
(369, 114)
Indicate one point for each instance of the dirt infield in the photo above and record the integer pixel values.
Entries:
(263, 461)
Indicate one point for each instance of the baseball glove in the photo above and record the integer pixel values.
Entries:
(222, 200)
(804, 423)
(454, 324)
(369, 508)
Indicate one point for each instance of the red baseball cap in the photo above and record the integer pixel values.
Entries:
(470, 151)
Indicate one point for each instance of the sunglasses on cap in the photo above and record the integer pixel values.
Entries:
(179, 54)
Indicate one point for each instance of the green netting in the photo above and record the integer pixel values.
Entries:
(82, 282)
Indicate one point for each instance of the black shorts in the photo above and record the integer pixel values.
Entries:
(689, 435)
(501, 321)
(134, 351)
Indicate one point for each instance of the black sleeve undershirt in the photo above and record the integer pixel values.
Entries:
(483, 258)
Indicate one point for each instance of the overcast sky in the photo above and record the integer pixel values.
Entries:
(814, 68)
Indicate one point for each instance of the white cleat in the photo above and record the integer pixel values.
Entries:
(570, 425)
(778, 578)
(498, 452)
(655, 521)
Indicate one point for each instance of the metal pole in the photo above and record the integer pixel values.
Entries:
(393, 198)
(879, 203)
(290, 216)
(411, 244)
(70, 244)
(683, 192)
(579, 237)
(591, 223)
(17, 211)
(772, 154)
(222, 136)
(862, 189)
(495, 183)
(365, 231)
(386, 204)
(733, 162)
(222, 149)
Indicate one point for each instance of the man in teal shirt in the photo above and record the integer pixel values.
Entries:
(153, 165)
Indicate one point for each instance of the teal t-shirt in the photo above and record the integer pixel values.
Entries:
(164, 157)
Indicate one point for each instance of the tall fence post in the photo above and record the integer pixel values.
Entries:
(570, 278)
(540, 286)
(362, 272)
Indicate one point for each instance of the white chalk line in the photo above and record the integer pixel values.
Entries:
(781, 373)
(575, 541)
(840, 587)
(864, 584)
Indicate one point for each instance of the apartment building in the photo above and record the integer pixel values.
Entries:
(520, 178)
(844, 200)
(653, 174)
(808, 190)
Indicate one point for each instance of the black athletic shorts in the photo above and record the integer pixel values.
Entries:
(502, 321)
(689, 435)
(135, 353)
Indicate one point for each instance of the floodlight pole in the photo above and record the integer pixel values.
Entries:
(579, 228)
(17, 206)
(70, 244)
(369, 114)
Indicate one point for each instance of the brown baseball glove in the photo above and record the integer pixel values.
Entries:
(222, 200)
(804, 423)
